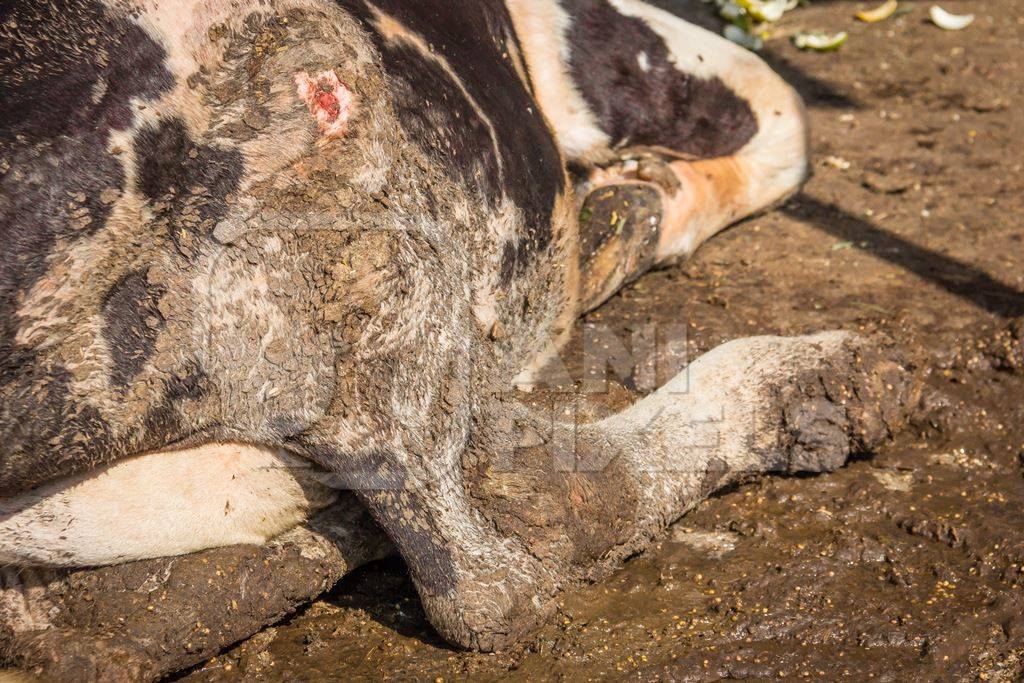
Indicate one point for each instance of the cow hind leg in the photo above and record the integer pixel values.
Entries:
(748, 147)
(673, 132)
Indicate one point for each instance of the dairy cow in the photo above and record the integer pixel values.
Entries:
(255, 251)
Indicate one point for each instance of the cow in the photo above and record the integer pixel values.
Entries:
(255, 252)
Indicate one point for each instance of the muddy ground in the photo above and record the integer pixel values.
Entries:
(907, 563)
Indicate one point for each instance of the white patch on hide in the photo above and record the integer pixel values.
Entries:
(161, 504)
(542, 28)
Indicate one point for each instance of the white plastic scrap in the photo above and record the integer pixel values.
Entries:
(950, 22)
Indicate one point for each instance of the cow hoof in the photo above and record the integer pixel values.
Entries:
(858, 394)
(478, 619)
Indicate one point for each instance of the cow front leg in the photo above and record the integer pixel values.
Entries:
(586, 496)
(493, 534)
(480, 589)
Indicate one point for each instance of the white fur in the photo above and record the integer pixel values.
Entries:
(714, 410)
(775, 160)
(542, 27)
(161, 504)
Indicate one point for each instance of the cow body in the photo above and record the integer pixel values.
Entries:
(245, 239)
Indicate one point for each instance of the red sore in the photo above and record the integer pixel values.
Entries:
(329, 100)
(329, 103)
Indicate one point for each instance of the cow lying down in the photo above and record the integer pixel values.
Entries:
(258, 252)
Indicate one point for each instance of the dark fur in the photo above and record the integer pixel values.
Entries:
(50, 425)
(68, 71)
(662, 107)
(133, 323)
(171, 165)
(527, 166)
